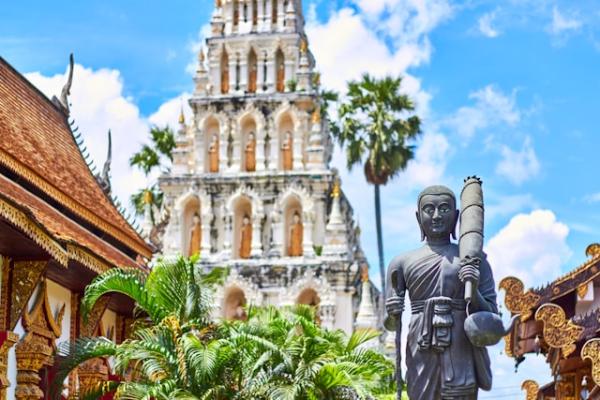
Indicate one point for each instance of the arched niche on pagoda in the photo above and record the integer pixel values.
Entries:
(293, 200)
(236, 291)
(280, 71)
(252, 71)
(194, 213)
(211, 136)
(315, 291)
(244, 204)
(249, 140)
(288, 137)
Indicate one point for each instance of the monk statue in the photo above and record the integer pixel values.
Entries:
(286, 152)
(213, 154)
(225, 78)
(252, 76)
(442, 361)
(296, 236)
(251, 153)
(281, 78)
(195, 236)
(246, 237)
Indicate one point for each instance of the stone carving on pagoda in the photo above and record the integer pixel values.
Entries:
(559, 332)
(35, 351)
(293, 200)
(243, 204)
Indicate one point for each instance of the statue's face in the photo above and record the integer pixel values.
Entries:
(251, 136)
(196, 218)
(296, 218)
(437, 215)
(246, 220)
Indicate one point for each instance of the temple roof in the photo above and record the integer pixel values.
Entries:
(37, 146)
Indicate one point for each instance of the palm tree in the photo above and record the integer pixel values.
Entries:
(295, 359)
(148, 159)
(374, 126)
(173, 304)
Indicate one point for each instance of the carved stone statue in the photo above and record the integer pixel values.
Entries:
(442, 362)
(286, 152)
(246, 237)
(251, 153)
(213, 154)
(195, 236)
(296, 236)
(225, 76)
(281, 78)
(252, 76)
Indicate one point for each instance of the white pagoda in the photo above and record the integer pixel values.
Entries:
(251, 187)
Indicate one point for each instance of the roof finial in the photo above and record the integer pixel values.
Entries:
(66, 90)
(335, 193)
(104, 178)
(201, 55)
(364, 273)
(316, 116)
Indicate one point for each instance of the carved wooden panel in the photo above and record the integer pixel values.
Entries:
(559, 333)
(531, 389)
(516, 300)
(591, 351)
(25, 277)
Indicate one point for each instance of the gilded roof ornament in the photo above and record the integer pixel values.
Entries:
(148, 197)
(591, 351)
(559, 332)
(531, 389)
(316, 116)
(181, 116)
(364, 273)
(518, 301)
(303, 46)
(593, 250)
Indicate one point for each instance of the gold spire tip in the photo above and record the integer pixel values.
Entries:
(335, 193)
(148, 197)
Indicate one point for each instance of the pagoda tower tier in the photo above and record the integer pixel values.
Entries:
(251, 187)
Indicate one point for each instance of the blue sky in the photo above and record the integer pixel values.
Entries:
(507, 90)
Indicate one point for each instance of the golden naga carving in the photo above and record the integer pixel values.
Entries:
(591, 351)
(531, 389)
(36, 349)
(26, 275)
(558, 332)
(8, 340)
(508, 340)
(516, 300)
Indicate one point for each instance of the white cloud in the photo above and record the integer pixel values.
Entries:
(506, 205)
(485, 25)
(518, 166)
(491, 107)
(168, 112)
(563, 23)
(98, 103)
(531, 246)
(592, 198)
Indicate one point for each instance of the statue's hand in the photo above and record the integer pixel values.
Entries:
(394, 305)
(469, 272)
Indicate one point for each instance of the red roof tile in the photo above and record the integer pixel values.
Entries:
(36, 143)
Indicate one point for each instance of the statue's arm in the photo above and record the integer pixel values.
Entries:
(395, 291)
(486, 290)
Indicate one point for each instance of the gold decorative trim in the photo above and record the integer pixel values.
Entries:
(25, 277)
(5, 293)
(508, 339)
(57, 194)
(593, 251)
(36, 233)
(559, 333)
(591, 351)
(531, 389)
(88, 259)
(516, 300)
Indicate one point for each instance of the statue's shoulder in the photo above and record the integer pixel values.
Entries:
(402, 259)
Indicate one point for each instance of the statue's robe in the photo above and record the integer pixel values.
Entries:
(286, 155)
(281, 79)
(296, 233)
(213, 157)
(252, 79)
(441, 362)
(246, 241)
(251, 156)
(195, 239)
(225, 80)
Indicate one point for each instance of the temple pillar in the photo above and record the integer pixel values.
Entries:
(205, 244)
(289, 72)
(270, 63)
(275, 149)
(260, 74)
(232, 74)
(256, 235)
(260, 153)
(280, 15)
(298, 139)
(243, 79)
(308, 249)
(7, 340)
(276, 235)
(228, 236)
(223, 145)
(236, 162)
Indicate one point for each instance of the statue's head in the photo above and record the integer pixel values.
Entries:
(246, 219)
(437, 213)
(196, 218)
(215, 138)
(296, 217)
(251, 136)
